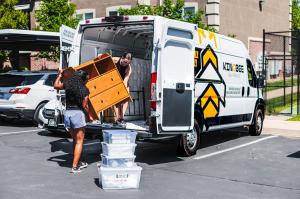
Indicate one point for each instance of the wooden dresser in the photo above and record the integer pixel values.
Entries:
(105, 83)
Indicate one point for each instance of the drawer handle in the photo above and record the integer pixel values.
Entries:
(95, 87)
(112, 79)
(118, 93)
(101, 101)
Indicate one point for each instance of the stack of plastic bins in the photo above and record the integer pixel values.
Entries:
(117, 169)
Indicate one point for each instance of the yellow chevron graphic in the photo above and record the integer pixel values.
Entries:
(209, 56)
(210, 98)
(209, 110)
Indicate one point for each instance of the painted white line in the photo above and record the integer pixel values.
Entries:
(92, 143)
(234, 148)
(19, 132)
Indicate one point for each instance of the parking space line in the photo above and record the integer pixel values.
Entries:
(18, 132)
(234, 148)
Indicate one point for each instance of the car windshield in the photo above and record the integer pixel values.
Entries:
(8, 80)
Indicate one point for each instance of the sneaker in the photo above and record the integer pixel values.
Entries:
(82, 165)
(122, 123)
(76, 169)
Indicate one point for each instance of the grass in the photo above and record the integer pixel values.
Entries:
(279, 84)
(276, 105)
(295, 118)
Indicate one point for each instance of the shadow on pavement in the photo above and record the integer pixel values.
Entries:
(65, 160)
(96, 180)
(218, 137)
(150, 152)
(294, 155)
(16, 123)
(54, 134)
(91, 151)
(157, 151)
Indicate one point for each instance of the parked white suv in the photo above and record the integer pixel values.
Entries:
(23, 94)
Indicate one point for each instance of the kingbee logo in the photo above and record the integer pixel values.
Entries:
(214, 93)
(233, 67)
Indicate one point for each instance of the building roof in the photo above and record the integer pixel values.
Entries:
(27, 40)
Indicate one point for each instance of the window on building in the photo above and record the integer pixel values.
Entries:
(79, 16)
(113, 10)
(113, 13)
(89, 15)
(189, 9)
(84, 14)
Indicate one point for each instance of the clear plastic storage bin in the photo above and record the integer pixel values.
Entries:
(118, 150)
(109, 161)
(119, 136)
(119, 178)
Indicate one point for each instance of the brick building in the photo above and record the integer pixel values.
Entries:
(242, 19)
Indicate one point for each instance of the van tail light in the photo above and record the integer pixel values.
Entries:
(24, 90)
(153, 91)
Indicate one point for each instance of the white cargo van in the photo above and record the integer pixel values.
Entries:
(193, 80)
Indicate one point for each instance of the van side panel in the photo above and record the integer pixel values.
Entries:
(220, 81)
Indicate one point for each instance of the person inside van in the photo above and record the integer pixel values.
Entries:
(76, 111)
(123, 64)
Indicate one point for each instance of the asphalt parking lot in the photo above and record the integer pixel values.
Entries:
(231, 164)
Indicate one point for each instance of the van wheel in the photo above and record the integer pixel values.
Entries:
(190, 142)
(36, 113)
(256, 128)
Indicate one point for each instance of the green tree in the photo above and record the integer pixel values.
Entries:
(169, 10)
(50, 16)
(295, 15)
(11, 19)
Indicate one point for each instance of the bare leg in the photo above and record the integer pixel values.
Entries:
(121, 111)
(124, 106)
(79, 137)
(117, 111)
(71, 131)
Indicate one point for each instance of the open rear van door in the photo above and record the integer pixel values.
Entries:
(175, 77)
(67, 35)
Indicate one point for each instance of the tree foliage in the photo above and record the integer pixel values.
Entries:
(169, 10)
(53, 13)
(50, 16)
(295, 15)
(11, 19)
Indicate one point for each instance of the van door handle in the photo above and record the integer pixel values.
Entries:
(248, 91)
(180, 87)
(243, 91)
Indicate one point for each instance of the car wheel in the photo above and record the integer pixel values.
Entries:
(190, 142)
(256, 128)
(36, 113)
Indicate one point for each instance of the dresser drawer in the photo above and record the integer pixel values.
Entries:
(109, 97)
(103, 82)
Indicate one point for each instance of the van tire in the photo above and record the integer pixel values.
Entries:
(256, 128)
(190, 142)
(36, 113)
